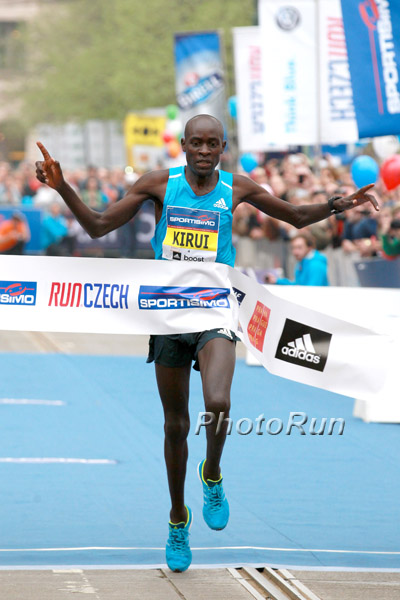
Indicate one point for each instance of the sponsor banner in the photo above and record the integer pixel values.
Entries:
(372, 29)
(240, 296)
(161, 297)
(168, 297)
(257, 326)
(250, 90)
(18, 292)
(336, 108)
(89, 295)
(289, 70)
(305, 70)
(95, 295)
(303, 345)
(144, 130)
(351, 356)
(199, 75)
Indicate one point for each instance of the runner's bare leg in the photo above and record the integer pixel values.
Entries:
(217, 364)
(173, 387)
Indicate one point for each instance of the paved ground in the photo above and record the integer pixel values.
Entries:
(154, 584)
(195, 584)
(333, 585)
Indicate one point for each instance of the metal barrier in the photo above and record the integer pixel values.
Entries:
(344, 270)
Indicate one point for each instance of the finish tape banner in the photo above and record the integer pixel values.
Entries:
(122, 296)
(372, 29)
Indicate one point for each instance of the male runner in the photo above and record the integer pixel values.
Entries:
(189, 192)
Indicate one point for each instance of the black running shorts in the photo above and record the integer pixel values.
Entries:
(178, 350)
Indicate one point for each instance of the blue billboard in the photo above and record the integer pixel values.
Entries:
(199, 74)
(372, 29)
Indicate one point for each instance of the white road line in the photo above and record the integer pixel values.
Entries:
(30, 401)
(141, 548)
(133, 567)
(81, 461)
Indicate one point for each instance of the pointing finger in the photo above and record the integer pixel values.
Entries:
(366, 188)
(44, 151)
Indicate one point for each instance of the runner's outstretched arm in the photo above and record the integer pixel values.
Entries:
(97, 224)
(299, 216)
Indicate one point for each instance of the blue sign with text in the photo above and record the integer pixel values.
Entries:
(372, 29)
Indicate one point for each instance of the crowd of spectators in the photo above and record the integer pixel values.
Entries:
(362, 231)
(294, 178)
(19, 190)
(97, 187)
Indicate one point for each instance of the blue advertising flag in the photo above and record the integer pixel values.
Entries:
(200, 78)
(372, 29)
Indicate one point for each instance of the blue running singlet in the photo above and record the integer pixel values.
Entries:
(195, 228)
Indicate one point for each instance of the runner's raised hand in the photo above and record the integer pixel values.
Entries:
(48, 171)
(361, 196)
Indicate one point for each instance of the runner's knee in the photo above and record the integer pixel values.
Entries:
(176, 427)
(217, 402)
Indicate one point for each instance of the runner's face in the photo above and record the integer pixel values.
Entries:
(203, 146)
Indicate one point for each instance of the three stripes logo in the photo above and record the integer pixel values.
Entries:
(220, 204)
(303, 345)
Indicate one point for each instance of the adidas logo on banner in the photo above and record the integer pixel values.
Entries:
(221, 204)
(303, 345)
(303, 349)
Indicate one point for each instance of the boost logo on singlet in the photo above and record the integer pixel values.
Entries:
(192, 232)
(170, 297)
(304, 345)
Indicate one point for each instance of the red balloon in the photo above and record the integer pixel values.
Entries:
(390, 172)
(167, 136)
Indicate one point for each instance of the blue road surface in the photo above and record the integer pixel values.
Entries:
(298, 500)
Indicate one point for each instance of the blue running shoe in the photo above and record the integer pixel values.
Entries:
(216, 507)
(179, 555)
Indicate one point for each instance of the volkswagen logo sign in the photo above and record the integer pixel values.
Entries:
(288, 17)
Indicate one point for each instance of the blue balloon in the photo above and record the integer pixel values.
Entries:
(364, 170)
(232, 107)
(249, 162)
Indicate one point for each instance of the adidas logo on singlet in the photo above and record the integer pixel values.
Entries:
(221, 204)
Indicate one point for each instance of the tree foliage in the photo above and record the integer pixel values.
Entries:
(102, 58)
